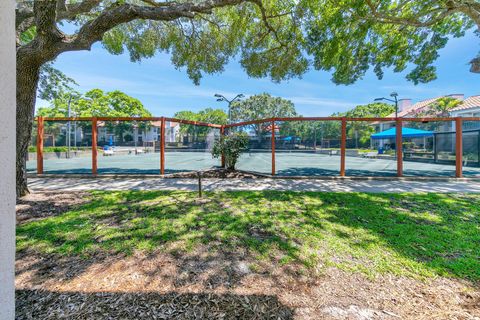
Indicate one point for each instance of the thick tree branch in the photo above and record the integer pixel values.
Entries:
(157, 4)
(94, 30)
(45, 17)
(70, 11)
(25, 16)
(266, 22)
(411, 21)
(23, 13)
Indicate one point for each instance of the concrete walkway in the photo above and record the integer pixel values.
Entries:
(132, 183)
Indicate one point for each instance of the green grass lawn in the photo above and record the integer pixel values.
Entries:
(416, 235)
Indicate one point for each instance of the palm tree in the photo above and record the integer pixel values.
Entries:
(442, 106)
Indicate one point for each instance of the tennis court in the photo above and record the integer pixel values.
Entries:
(294, 163)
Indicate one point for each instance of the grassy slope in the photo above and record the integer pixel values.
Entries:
(417, 235)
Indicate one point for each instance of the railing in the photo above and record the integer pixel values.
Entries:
(343, 136)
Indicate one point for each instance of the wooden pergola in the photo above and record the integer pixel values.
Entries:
(271, 123)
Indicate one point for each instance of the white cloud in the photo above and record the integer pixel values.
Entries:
(320, 102)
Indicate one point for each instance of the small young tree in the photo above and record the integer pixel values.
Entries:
(231, 146)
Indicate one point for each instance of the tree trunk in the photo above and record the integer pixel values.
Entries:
(27, 81)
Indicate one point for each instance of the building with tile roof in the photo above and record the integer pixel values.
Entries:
(470, 107)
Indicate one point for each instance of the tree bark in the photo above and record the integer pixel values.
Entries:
(27, 81)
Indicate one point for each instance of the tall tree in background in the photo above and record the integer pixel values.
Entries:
(361, 131)
(315, 132)
(261, 106)
(96, 103)
(200, 35)
(208, 115)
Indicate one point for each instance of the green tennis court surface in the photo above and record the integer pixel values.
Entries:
(287, 164)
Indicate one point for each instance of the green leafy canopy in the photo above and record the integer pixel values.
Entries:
(349, 36)
(346, 37)
(282, 39)
(95, 103)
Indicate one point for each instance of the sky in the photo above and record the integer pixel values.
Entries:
(165, 90)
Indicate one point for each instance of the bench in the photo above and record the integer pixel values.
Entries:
(372, 154)
(108, 152)
(333, 152)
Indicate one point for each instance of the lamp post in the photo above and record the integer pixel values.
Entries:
(394, 95)
(69, 127)
(69, 137)
(222, 98)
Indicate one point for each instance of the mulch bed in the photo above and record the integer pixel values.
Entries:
(216, 173)
(216, 284)
(40, 304)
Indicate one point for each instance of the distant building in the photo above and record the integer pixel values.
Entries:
(149, 135)
(469, 107)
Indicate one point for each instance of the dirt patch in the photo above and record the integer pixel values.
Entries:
(215, 286)
(46, 204)
(216, 173)
(219, 284)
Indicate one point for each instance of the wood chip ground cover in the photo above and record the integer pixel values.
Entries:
(248, 255)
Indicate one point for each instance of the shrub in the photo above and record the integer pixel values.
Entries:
(231, 146)
(58, 149)
(128, 138)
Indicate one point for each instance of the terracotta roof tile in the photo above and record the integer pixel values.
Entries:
(415, 107)
(469, 103)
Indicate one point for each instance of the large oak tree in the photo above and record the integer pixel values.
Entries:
(200, 35)
(270, 37)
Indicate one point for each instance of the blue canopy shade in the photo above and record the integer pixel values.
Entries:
(406, 133)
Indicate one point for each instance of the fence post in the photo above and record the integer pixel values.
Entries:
(343, 146)
(39, 145)
(222, 135)
(399, 145)
(273, 147)
(162, 146)
(458, 147)
(94, 145)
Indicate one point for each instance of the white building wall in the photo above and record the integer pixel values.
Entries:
(7, 159)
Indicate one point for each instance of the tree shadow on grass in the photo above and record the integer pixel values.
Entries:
(117, 224)
(434, 232)
(439, 231)
(40, 304)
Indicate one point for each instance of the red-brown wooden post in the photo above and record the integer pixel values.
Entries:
(273, 148)
(94, 145)
(222, 135)
(40, 145)
(458, 147)
(343, 146)
(399, 145)
(162, 146)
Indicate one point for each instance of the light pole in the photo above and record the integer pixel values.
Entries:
(394, 95)
(222, 98)
(69, 133)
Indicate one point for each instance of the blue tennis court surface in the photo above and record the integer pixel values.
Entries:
(287, 164)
